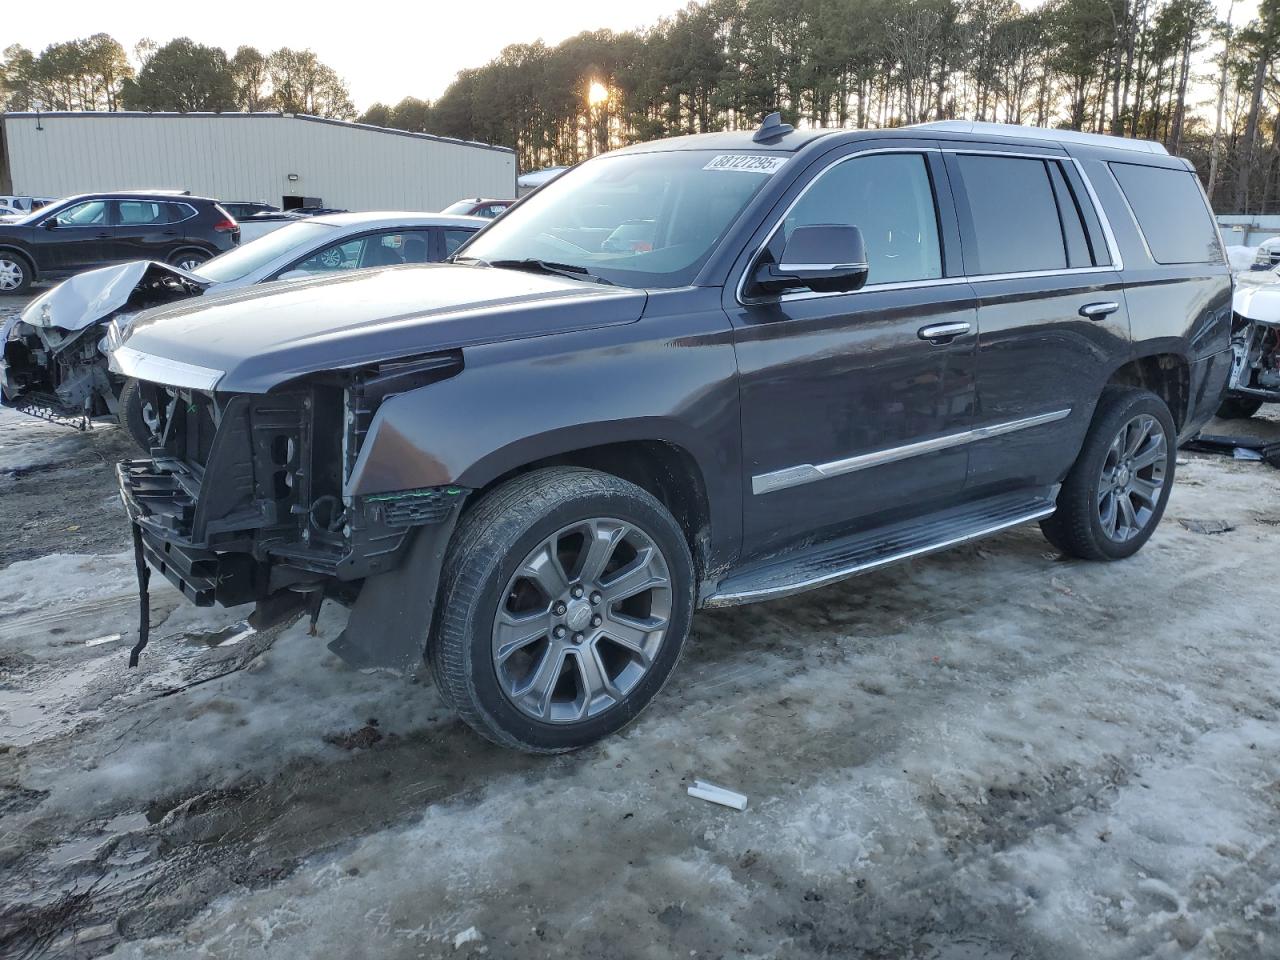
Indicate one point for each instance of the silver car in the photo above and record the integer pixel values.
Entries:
(53, 365)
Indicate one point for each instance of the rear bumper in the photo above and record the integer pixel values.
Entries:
(1206, 389)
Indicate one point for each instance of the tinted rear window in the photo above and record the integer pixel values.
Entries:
(1171, 213)
(1014, 213)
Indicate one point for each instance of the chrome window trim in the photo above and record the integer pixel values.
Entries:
(808, 473)
(1113, 248)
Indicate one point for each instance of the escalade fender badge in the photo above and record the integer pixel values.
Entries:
(173, 373)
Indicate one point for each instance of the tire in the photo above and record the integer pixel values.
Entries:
(129, 415)
(189, 259)
(1238, 408)
(1107, 472)
(490, 553)
(15, 274)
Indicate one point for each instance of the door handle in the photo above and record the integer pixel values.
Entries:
(939, 333)
(102, 236)
(1096, 311)
(171, 233)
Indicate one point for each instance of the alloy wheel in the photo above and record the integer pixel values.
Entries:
(581, 620)
(1133, 478)
(191, 262)
(12, 274)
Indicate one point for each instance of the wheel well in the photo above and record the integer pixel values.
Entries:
(14, 251)
(1165, 374)
(663, 469)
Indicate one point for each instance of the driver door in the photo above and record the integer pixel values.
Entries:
(843, 395)
(82, 239)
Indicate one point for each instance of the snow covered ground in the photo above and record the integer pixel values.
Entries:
(991, 753)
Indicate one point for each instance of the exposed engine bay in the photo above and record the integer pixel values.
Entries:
(54, 361)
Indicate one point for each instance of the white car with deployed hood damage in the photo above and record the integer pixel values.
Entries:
(1255, 342)
(54, 366)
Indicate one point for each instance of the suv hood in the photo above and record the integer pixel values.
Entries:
(253, 339)
(1259, 303)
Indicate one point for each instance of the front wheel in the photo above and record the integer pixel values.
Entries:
(15, 275)
(567, 597)
(1115, 494)
(131, 416)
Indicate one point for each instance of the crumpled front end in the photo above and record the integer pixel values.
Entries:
(242, 498)
(1255, 344)
(52, 355)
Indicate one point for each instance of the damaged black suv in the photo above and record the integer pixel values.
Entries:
(692, 373)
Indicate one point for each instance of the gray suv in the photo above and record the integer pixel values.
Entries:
(699, 372)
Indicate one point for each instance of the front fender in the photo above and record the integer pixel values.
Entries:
(670, 378)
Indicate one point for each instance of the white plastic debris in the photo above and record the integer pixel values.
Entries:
(99, 640)
(469, 935)
(1245, 453)
(713, 794)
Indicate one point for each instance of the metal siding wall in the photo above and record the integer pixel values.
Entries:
(249, 158)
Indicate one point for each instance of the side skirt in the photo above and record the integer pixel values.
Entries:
(828, 562)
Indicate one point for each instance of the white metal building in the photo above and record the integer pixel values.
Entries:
(282, 159)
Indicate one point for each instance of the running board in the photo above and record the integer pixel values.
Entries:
(828, 562)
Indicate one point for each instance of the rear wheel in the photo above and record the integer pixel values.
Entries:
(1115, 494)
(189, 259)
(567, 596)
(15, 274)
(1239, 408)
(130, 415)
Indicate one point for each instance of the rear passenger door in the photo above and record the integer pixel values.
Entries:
(148, 229)
(1052, 318)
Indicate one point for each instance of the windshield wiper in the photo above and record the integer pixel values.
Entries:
(571, 270)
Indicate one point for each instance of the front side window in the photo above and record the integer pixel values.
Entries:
(889, 198)
(640, 220)
(90, 213)
(454, 238)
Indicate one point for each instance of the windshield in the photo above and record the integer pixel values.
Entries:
(243, 260)
(462, 207)
(640, 220)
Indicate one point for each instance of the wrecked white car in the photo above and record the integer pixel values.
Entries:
(1255, 341)
(54, 363)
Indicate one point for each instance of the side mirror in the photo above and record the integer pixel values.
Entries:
(826, 258)
(50, 223)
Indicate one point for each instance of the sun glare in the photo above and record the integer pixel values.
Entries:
(597, 93)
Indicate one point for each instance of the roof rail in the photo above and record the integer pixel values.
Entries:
(1041, 133)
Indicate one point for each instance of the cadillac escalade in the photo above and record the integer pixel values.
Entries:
(704, 371)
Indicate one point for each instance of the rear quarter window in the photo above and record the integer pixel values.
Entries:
(1171, 213)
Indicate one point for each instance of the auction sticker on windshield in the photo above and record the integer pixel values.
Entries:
(745, 163)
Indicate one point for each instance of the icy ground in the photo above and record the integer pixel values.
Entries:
(991, 753)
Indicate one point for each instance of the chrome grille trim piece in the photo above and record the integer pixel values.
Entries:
(808, 472)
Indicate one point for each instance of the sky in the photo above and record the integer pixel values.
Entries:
(404, 49)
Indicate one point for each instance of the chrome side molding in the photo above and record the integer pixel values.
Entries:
(808, 472)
